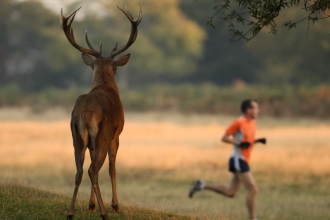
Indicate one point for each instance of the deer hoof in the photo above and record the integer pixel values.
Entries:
(69, 217)
(91, 208)
(104, 217)
(115, 207)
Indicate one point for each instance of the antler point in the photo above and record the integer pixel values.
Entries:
(66, 22)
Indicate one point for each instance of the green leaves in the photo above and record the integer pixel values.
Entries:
(246, 18)
(290, 24)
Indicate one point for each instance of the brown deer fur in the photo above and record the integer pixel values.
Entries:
(97, 119)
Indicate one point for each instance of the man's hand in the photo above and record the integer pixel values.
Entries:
(244, 145)
(261, 140)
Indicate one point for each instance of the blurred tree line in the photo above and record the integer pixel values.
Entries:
(174, 47)
(35, 53)
(295, 57)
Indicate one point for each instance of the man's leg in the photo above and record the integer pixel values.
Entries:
(229, 191)
(250, 184)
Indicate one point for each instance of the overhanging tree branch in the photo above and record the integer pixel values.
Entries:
(246, 18)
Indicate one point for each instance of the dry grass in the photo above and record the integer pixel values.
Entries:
(168, 145)
(159, 155)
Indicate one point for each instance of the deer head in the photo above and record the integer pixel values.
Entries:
(102, 64)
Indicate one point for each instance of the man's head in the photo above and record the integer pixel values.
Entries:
(250, 108)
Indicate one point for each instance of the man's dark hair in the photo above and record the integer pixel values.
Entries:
(246, 104)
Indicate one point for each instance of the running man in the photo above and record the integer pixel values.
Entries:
(241, 134)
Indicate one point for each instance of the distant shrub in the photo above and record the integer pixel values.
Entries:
(208, 98)
(11, 95)
(188, 98)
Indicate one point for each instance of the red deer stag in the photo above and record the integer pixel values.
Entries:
(98, 118)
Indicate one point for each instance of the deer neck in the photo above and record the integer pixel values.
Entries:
(104, 76)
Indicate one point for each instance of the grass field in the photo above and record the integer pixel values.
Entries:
(159, 156)
(30, 203)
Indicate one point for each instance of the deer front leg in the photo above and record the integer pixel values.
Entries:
(112, 153)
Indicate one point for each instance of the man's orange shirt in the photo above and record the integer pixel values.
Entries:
(243, 130)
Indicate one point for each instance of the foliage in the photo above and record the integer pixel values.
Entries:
(173, 47)
(168, 42)
(36, 54)
(284, 101)
(293, 57)
(257, 15)
(297, 57)
(33, 48)
(222, 63)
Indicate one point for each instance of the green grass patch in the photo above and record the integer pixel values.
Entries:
(23, 202)
(156, 194)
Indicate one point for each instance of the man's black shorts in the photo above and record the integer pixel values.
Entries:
(241, 166)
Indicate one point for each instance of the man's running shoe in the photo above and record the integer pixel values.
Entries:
(196, 186)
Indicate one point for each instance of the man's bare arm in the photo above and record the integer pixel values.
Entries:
(226, 138)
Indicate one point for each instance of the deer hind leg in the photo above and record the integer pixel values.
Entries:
(79, 153)
(91, 206)
(98, 160)
(112, 152)
(93, 131)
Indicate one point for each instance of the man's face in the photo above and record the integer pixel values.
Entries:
(253, 112)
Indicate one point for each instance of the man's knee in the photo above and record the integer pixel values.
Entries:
(253, 189)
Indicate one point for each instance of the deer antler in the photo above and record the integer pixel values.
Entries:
(67, 28)
(133, 35)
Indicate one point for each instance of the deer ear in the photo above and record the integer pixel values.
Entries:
(88, 60)
(123, 60)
